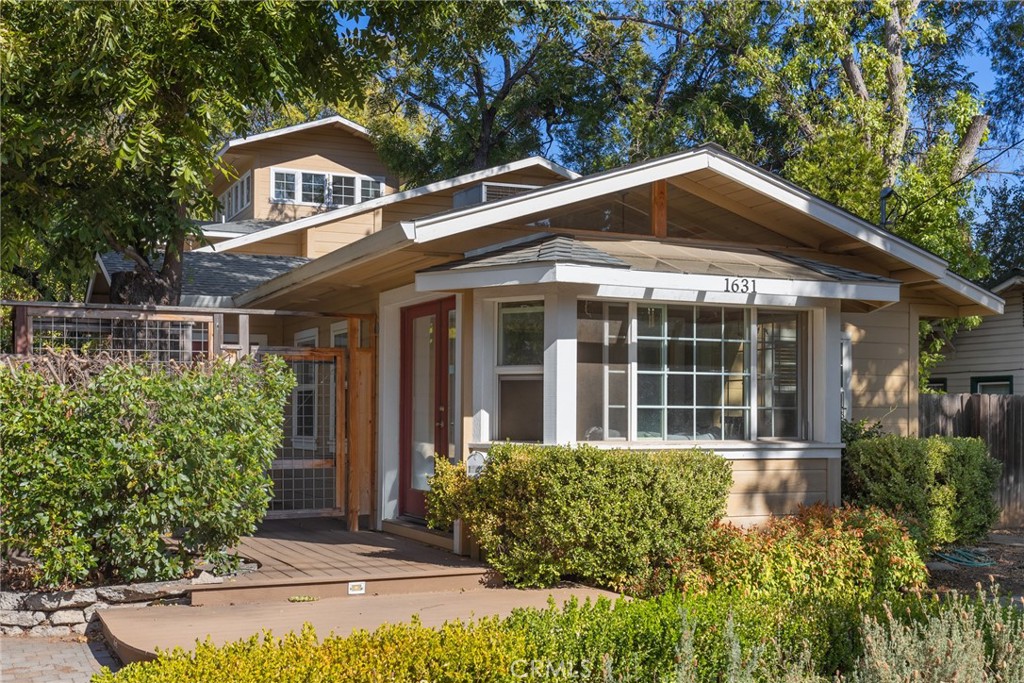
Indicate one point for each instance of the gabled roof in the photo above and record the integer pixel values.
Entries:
(379, 202)
(213, 279)
(1013, 278)
(346, 124)
(960, 296)
(543, 248)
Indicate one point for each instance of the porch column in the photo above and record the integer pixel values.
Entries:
(560, 367)
(826, 388)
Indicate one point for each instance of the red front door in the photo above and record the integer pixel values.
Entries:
(428, 377)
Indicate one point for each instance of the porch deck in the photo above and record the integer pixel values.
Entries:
(320, 558)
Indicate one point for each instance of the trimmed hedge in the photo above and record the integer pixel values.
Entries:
(941, 486)
(699, 638)
(130, 471)
(543, 513)
(821, 553)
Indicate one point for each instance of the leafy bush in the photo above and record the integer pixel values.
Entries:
(941, 486)
(821, 553)
(542, 513)
(100, 472)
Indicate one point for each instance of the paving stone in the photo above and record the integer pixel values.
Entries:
(71, 659)
(49, 602)
(67, 617)
(140, 592)
(934, 567)
(21, 618)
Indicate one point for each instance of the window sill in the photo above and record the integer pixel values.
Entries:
(732, 450)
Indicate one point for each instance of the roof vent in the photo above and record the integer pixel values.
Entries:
(488, 192)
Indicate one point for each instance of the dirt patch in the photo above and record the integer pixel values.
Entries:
(1006, 549)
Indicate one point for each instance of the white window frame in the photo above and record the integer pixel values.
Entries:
(807, 368)
(236, 199)
(329, 176)
(513, 372)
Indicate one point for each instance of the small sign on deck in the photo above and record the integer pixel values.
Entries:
(357, 588)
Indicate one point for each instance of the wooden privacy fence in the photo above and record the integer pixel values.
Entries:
(999, 421)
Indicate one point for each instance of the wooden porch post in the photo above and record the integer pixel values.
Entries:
(22, 330)
(659, 208)
(243, 335)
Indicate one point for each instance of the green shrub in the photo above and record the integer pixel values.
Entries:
(98, 474)
(941, 486)
(543, 513)
(821, 553)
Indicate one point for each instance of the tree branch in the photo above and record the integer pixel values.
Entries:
(854, 76)
(896, 82)
(967, 149)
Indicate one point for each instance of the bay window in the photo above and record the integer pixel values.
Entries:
(692, 372)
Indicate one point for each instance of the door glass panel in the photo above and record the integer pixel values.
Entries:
(450, 399)
(423, 373)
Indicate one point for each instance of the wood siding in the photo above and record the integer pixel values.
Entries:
(994, 348)
(330, 150)
(884, 374)
(775, 487)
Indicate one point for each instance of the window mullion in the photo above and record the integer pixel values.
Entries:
(632, 374)
(753, 370)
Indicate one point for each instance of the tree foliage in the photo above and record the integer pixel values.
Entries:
(110, 111)
(1001, 234)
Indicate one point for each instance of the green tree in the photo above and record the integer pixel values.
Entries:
(1001, 234)
(490, 85)
(110, 112)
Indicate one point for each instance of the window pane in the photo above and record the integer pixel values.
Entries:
(649, 390)
(602, 373)
(313, 187)
(649, 321)
(709, 323)
(521, 408)
(778, 374)
(371, 189)
(649, 423)
(680, 390)
(284, 186)
(680, 322)
(680, 424)
(735, 323)
(680, 355)
(709, 424)
(343, 190)
(709, 356)
(521, 333)
(648, 355)
(709, 390)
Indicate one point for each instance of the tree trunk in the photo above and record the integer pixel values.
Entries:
(968, 147)
(148, 286)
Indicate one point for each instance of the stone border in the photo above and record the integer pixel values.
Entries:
(61, 613)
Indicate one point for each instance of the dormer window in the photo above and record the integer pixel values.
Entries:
(284, 186)
(237, 197)
(314, 188)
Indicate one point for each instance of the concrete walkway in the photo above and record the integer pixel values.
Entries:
(136, 634)
(52, 660)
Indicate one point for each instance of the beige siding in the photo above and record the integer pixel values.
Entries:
(283, 245)
(329, 150)
(325, 238)
(775, 487)
(884, 373)
(996, 347)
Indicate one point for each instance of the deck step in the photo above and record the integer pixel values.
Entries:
(136, 634)
(351, 584)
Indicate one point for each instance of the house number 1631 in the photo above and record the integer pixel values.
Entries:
(740, 285)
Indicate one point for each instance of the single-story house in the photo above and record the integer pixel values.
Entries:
(688, 300)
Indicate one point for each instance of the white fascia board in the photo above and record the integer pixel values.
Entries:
(204, 301)
(390, 239)
(806, 203)
(556, 196)
(220, 233)
(352, 127)
(708, 285)
(1007, 283)
(386, 200)
(103, 268)
(977, 294)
